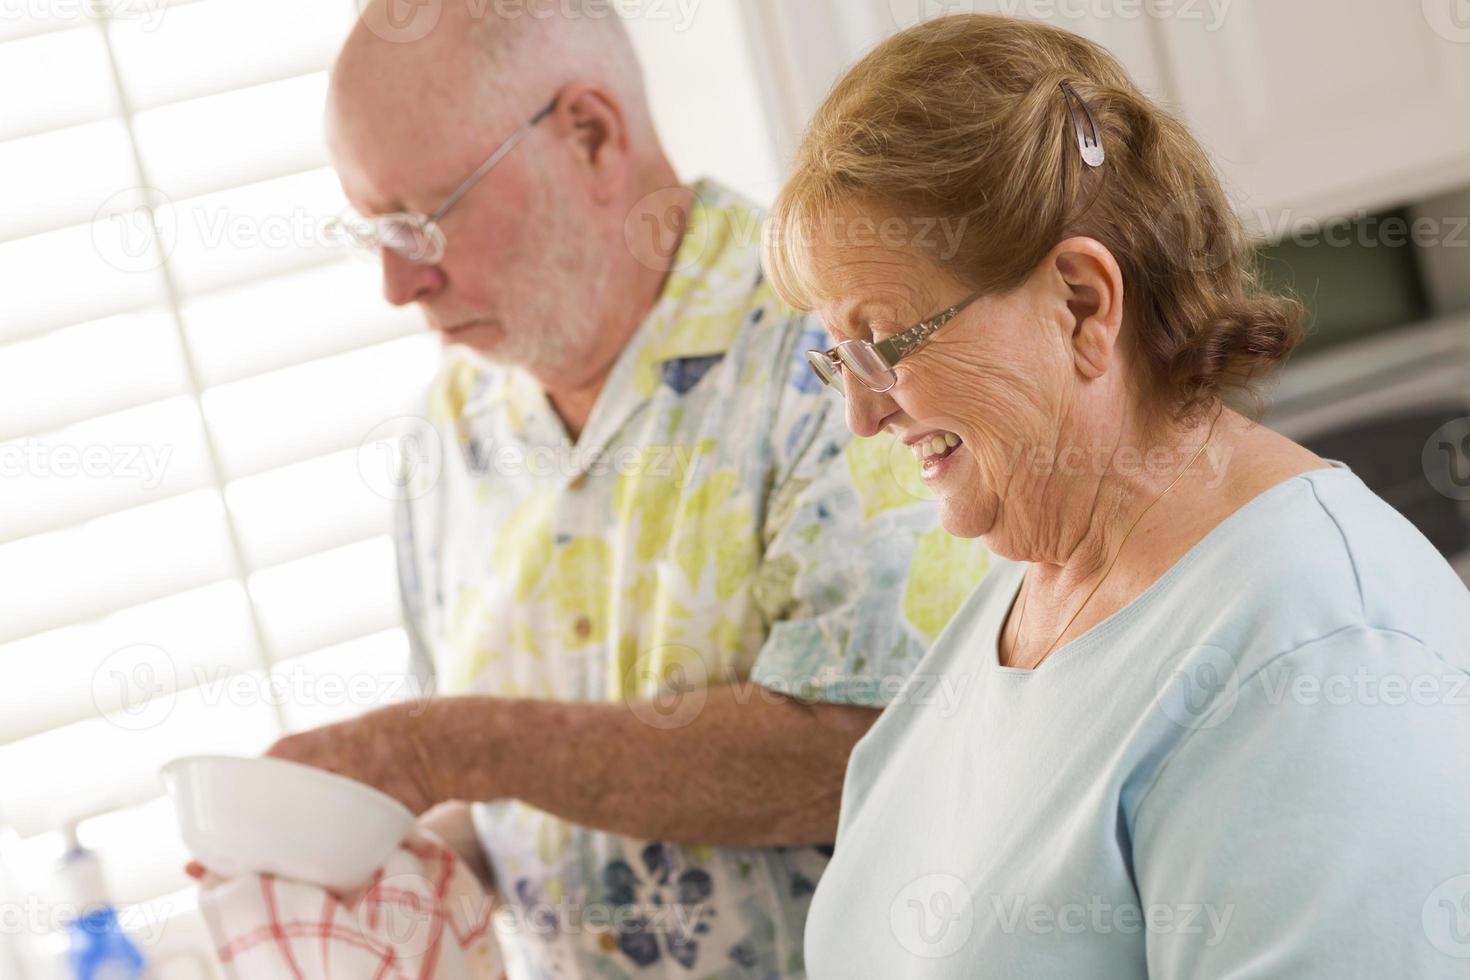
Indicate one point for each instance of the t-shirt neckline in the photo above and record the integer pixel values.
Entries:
(1141, 601)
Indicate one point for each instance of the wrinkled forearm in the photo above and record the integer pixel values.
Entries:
(750, 768)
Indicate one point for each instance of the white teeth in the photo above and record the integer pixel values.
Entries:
(936, 445)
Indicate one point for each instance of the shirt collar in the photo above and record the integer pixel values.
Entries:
(716, 267)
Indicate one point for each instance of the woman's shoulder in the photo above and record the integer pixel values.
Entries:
(1320, 551)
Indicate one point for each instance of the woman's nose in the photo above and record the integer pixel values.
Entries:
(867, 410)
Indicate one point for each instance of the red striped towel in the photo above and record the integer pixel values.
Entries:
(424, 916)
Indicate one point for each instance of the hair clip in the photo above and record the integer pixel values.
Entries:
(1089, 143)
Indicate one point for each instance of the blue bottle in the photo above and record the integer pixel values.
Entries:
(99, 949)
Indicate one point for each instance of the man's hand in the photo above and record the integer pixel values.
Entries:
(451, 823)
(381, 748)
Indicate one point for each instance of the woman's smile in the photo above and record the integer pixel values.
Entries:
(934, 467)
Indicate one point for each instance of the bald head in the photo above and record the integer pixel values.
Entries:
(461, 61)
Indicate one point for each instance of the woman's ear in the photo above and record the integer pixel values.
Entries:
(591, 117)
(1090, 283)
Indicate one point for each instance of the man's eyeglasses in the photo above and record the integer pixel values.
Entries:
(417, 237)
(872, 364)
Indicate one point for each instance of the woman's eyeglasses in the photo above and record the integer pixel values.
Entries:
(413, 236)
(872, 364)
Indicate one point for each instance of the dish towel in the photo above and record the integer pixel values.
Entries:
(424, 916)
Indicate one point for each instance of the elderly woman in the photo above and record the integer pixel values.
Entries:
(1213, 717)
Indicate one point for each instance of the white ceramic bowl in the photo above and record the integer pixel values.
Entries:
(269, 816)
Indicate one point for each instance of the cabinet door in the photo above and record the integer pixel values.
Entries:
(1121, 26)
(1314, 108)
(805, 46)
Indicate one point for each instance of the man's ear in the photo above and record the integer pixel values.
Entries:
(1090, 283)
(592, 120)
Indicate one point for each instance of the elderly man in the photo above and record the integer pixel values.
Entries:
(660, 589)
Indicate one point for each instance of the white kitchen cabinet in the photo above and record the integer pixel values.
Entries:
(1311, 109)
(1319, 108)
(1125, 30)
(803, 48)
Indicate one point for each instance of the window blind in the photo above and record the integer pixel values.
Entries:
(191, 559)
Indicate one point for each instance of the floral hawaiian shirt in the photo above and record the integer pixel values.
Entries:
(716, 523)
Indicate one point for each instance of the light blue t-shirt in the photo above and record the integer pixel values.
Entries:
(1258, 768)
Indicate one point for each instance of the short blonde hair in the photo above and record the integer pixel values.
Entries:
(964, 120)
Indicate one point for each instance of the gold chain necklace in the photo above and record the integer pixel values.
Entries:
(1021, 620)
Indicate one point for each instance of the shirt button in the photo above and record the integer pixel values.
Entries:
(583, 627)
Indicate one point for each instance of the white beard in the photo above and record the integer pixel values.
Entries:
(556, 339)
